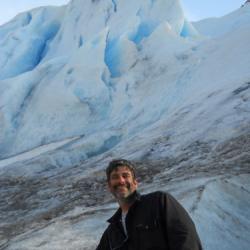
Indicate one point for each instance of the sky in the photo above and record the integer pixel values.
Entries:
(194, 9)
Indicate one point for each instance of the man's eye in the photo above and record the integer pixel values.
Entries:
(126, 175)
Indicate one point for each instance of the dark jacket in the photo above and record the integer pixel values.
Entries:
(155, 221)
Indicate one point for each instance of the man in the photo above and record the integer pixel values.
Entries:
(155, 221)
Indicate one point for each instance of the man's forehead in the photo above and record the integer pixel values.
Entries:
(121, 169)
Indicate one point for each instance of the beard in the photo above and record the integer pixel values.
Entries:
(126, 196)
(124, 193)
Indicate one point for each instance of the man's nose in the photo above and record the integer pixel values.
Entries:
(121, 180)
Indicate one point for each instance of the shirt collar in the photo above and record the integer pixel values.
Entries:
(117, 215)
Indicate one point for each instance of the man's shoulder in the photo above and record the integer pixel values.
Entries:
(152, 201)
(155, 195)
(107, 229)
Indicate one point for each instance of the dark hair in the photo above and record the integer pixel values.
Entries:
(114, 164)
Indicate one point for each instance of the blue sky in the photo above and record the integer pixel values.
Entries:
(200, 9)
(194, 9)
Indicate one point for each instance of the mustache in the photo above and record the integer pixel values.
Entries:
(127, 185)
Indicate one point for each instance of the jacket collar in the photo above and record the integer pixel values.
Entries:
(117, 215)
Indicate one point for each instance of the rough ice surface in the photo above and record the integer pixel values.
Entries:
(24, 40)
(214, 27)
(95, 80)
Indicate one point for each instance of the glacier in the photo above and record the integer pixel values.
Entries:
(94, 80)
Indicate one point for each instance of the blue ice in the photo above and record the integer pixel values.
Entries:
(112, 57)
(144, 30)
(32, 54)
(185, 32)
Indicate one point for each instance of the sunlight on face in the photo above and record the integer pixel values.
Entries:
(122, 182)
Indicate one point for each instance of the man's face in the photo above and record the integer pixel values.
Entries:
(122, 182)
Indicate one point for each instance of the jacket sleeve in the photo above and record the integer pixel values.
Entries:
(180, 229)
(103, 244)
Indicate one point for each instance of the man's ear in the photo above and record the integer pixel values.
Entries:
(136, 182)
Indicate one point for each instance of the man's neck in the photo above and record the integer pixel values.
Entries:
(125, 204)
(124, 207)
